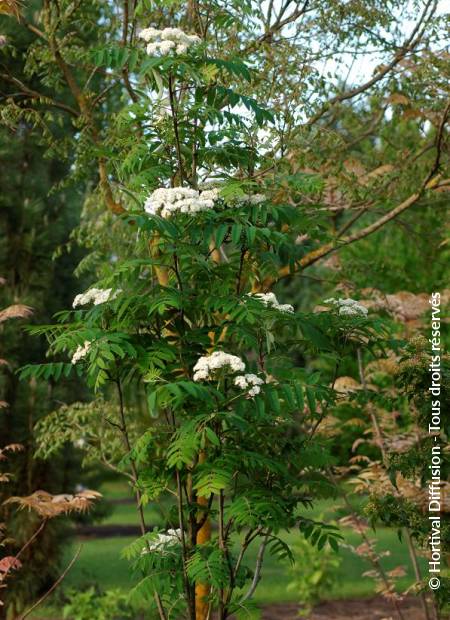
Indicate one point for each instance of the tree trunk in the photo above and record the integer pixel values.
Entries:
(203, 536)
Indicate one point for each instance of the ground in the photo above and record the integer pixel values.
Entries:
(375, 608)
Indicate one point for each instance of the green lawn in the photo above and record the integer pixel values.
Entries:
(100, 563)
(100, 560)
(126, 513)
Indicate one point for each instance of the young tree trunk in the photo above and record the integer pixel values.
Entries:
(203, 536)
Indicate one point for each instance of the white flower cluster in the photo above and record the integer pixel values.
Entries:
(270, 300)
(168, 40)
(96, 296)
(166, 202)
(347, 307)
(207, 365)
(81, 352)
(171, 538)
(249, 382)
(253, 199)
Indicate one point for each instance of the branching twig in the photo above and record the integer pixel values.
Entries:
(33, 94)
(409, 45)
(333, 246)
(54, 586)
(258, 568)
(126, 439)
(278, 25)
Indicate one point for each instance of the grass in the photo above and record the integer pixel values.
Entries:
(126, 513)
(100, 560)
(100, 563)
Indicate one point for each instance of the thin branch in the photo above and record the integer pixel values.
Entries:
(327, 406)
(32, 28)
(175, 128)
(373, 417)
(376, 121)
(278, 25)
(187, 587)
(85, 109)
(126, 439)
(438, 141)
(333, 246)
(355, 217)
(126, 79)
(205, 516)
(54, 586)
(32, 539)
(431, 182)
(417, 572)
(249, 537)
(371, 554)
(103, 93)
(241, 266)
(222, 547)
(258, 568)
(408, 46)
(36, 95)
(411, 200)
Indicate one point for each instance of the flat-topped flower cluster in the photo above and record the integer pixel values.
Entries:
(249, 382)
(163, 541)
(270, 300)
(253, 199)
(167, 40)
(81, 352)
(347, 307)
(234, 200)
(96, 296)
(207, 367)
(168, 201)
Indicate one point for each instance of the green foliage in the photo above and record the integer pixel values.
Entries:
(209, 565)
(85, 427)
(221, 112)
(108, 605)
(320, 534)
(248, 460)
(314, 573)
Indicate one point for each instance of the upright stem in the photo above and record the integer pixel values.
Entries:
(140, 509)
(372, 557)
(258, 568)
(202, 590)
(125, 24)
(194, 180)
(187, 586)
(173, 108)
(373, 417)
(382, 446)
(126, 441)
(417, 573)
(222, 608)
